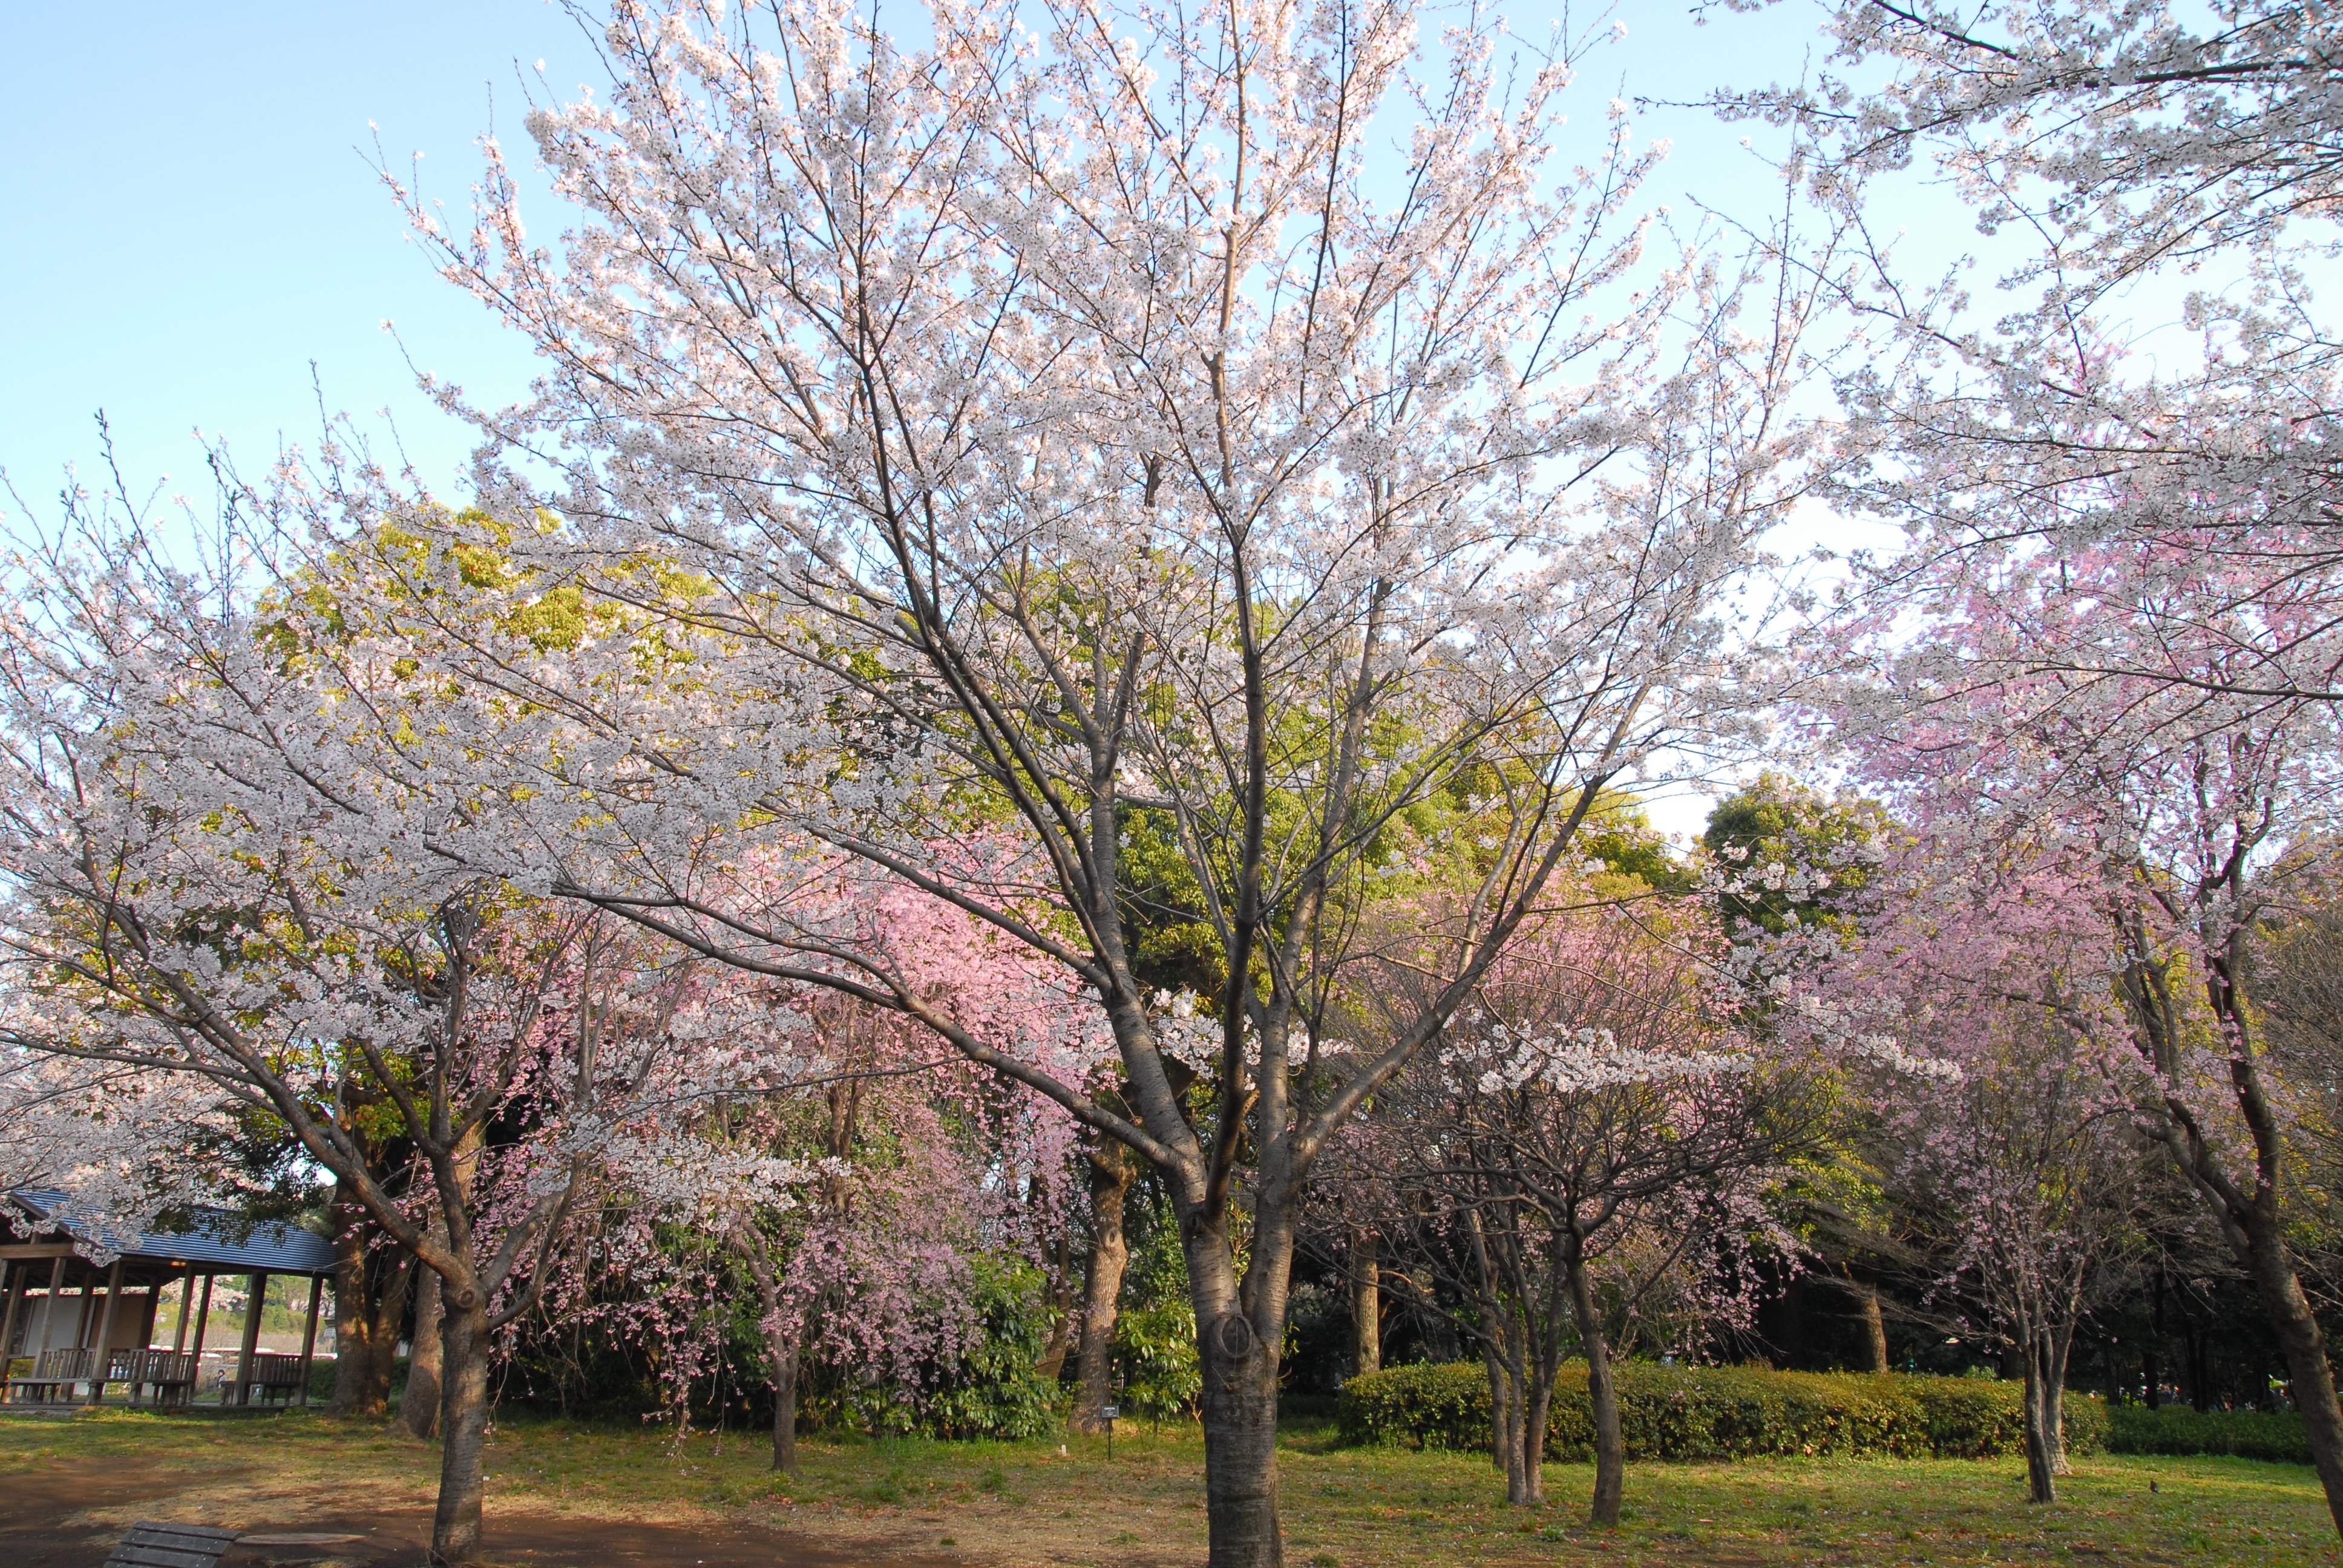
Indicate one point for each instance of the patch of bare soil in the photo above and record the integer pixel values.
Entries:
(66, 1513)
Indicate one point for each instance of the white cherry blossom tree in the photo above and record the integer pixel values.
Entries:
(1230, 434)
(217, 900)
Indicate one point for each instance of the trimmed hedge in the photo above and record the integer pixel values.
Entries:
(1721, 1413)
(2249, 1434)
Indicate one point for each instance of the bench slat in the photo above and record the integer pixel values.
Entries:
(128, 1556)
(147, 1532)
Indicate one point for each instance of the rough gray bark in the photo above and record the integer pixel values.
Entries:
(1240, 1411)
(419, 1407)
(1366, 1302)
(2045, 1362)
(463, 1426)
(370, 1291)
(1875, 1324)
(1610, 1444)
(2054, 1397)
(1112, 1169)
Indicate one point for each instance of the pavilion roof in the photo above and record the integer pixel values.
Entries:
(214, 1239)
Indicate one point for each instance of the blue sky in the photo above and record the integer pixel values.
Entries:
(188, 217)
(189, 221)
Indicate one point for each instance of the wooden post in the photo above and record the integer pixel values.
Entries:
(17, 1274)
(310, 1336)
(49, 1308)
(186, 1302)
(252, 1305)
(99, 1368)
(203, 1314)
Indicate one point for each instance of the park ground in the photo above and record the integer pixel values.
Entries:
(339, 1494)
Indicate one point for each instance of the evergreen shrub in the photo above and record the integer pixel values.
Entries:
(991, 1388)
(2178, 1430)
(1720, 1412)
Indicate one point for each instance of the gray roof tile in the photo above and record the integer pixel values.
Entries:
(270, 1248)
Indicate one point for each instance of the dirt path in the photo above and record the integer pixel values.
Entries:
(68, 1513)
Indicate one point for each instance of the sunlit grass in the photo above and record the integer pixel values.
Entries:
(1063, 1501)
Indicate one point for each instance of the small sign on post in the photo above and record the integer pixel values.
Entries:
(1106, 1413)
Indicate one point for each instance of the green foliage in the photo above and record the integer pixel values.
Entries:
(1155, 1330)
(1721, 1413)
(998, 1391)
(1778, 820)
(1622, 837)
(2178, 1430)
(1155, 1347)
(993, 1389)
(1427, 1403)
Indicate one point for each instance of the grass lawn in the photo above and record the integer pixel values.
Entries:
(1345, 1508)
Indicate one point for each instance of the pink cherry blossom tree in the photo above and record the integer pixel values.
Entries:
(2112, 634)
(914, 1163)
(2167, 811)
(2014, 1172)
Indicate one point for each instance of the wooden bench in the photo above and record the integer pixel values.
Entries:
(171, 1374)
(151, 1546)
(55, 1369)
(276, 1376)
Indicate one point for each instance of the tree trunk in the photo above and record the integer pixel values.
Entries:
(463, 1426)
(1366, 1303)
(782, 1347)
(1504, 1446)
(1240, 1411)
(2039, 1463)
(1065, 1326)
(1519, 1429)
(370, 1289)
(419, 1407)
(783, 1336)
(2054, 1397)
(1112, 1169)
(1238, 1362)
(354, 1357)
(1534, 1425)
(1866, 1310)
(1610, 1445)
(2305, 1345)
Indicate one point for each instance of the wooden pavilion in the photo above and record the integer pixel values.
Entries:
(71, 1328)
